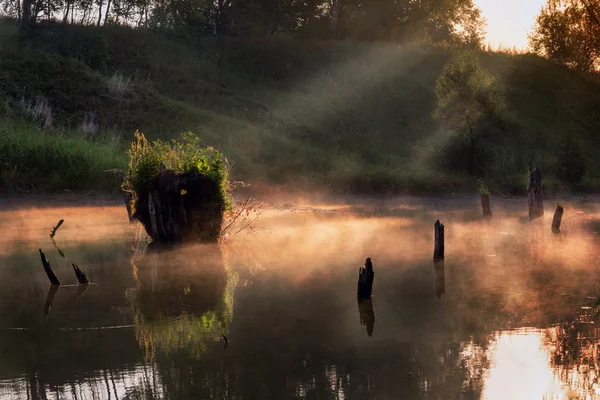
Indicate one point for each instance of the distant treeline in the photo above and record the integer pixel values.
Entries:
(453, 21)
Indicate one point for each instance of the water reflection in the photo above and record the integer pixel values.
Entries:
(367, 316)
(182, 299)
(440, 278)
(150, 327)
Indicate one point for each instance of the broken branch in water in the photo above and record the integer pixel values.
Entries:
(48, 268)
(81, 278)
(56, 228)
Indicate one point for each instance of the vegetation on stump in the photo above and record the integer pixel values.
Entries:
(178, 190)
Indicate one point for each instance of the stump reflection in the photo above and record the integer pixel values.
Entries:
(367, 315)
(183, 300)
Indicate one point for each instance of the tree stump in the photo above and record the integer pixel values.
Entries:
(438, 250)
(178, 208)
(557, 219)
(48, 268)
(365, 279)
(440, 279)
(534, 192)
(485, 206)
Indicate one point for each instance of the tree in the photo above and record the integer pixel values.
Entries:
(568, 31)
(470, 103)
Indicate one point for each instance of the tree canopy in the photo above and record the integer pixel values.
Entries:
(568, 31)
(450, 21)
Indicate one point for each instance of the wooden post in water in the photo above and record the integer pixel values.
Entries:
(48, 268)
(81, 278)
(557, 218)
(485, 206)
(534, 192)
(438, 250)
(366, 276)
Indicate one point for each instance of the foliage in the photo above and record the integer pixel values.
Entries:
(482, 187)
(437, 21)
(568, 31)
(571, 166)
(148, 160)
(471, 104)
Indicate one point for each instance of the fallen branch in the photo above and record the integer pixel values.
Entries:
(56, 228)
(48, 268)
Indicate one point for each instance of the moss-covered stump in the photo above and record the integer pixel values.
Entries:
(179, 191)
(184, 207)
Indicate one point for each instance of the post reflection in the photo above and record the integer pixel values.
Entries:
(440, 278)
(367, 315)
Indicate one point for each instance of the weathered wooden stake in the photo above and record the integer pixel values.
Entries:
(438, 250)
(557, 218)
(365, 279)
(81, 278)
(56, 228)
(48, 268)
(440, 279)
(485, 206)
(534, 192)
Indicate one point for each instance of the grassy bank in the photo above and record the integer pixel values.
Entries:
(347, 117)
(32, 159)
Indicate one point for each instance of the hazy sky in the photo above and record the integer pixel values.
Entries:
(509, 20)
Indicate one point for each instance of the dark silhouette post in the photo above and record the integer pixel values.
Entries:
(81, 278)
(438, 250)
(48, 268)
(534, 192)
(365, 279)
(557, 218)
(485, 205)
(367, 316)
(440, 278)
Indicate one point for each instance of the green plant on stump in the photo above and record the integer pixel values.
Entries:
(482, 188)
(176, 185)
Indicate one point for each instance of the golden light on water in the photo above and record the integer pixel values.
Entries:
(520, 368)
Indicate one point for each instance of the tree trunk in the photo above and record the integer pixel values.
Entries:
(335, 12)
(107, 11)
(26, 21)
(66, 14)
(99, 12)
(534, 191)
(19, 10)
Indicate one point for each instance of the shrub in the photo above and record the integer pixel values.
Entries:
(571, 164)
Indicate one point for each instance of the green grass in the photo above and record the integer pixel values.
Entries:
(31, 159)
(341, 116)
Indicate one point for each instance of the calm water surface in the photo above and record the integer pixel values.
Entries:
(511, 314)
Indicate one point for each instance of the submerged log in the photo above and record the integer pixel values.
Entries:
(534, 192)
(48, 268)
(366, 276)
(438, 250)
(557, 218)
(440, 278)
(179, 208)
(81, 278)
(56, 228)
(485, 206)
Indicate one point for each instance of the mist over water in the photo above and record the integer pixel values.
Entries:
(511, 313)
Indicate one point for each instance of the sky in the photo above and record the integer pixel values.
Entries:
(509, 20)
